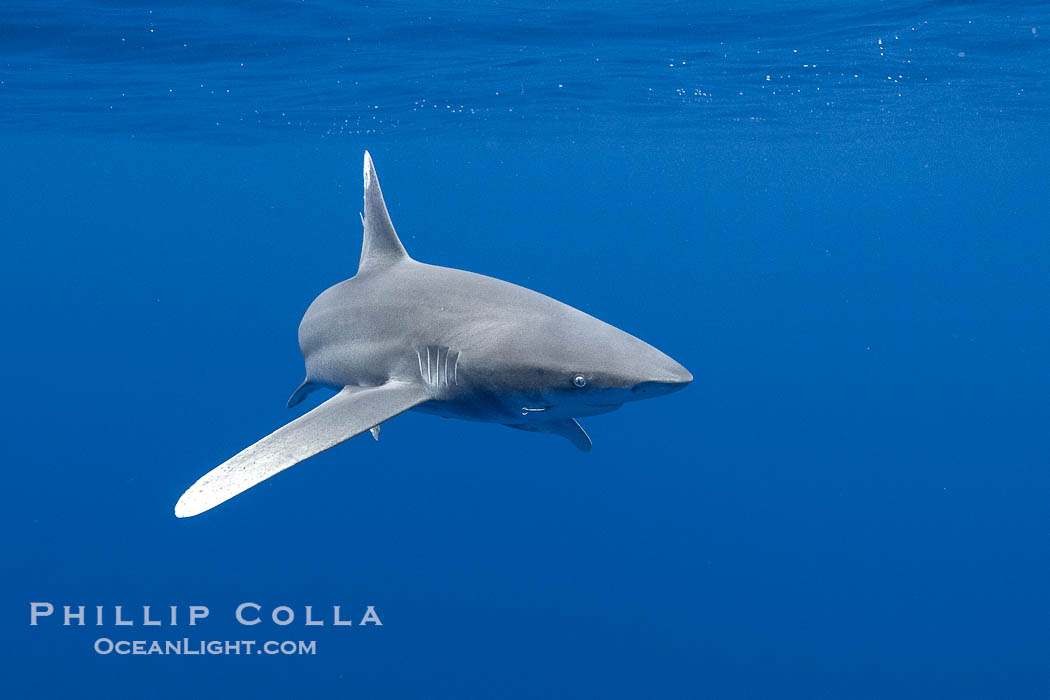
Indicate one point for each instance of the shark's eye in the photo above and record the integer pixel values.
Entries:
(579, 381)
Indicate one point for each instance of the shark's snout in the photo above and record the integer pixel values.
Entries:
(670, 378)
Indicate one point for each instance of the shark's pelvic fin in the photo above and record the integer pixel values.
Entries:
(381, 246)
(569, 429)
(375, 432)
(352, 411)
(304, 390)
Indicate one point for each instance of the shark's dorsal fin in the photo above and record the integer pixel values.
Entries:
(381, 246)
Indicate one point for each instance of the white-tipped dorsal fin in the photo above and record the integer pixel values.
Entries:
(381, 245)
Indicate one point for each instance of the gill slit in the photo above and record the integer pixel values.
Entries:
(437, 373)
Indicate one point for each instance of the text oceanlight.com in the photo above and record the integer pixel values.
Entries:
(189, 647)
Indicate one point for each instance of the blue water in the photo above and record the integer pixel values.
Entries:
(834, 215)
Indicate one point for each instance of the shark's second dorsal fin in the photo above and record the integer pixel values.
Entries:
(381, 246)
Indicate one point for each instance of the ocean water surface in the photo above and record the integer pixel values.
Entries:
(834, 214)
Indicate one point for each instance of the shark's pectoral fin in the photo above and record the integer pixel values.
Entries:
(352, 411)
(305, 389)
(572, 431)
(569, 429)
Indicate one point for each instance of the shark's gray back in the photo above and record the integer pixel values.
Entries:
(369, 329)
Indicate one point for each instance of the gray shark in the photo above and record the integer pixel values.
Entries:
(403, 335)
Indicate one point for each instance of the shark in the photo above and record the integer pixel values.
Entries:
(404, 335)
